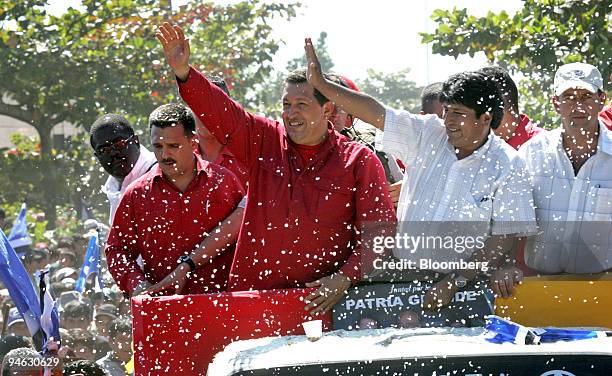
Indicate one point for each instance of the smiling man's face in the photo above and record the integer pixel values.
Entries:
(304, 118)
(465, 131)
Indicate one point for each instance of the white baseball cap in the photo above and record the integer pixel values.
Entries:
(577, 76)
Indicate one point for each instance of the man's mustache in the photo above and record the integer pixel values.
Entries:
(168, 161)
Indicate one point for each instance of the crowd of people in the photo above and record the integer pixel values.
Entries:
(95, 325)
(228, 200)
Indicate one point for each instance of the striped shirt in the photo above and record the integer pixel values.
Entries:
(490, 186)
(573, 211)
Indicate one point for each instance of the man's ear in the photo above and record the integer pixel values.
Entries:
(328, 109)
(136, 140)
(555, 102)
(485, 119)
(601, 95)
(195, 143)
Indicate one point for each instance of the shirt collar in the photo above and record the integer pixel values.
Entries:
(223, 155)
(604, 142)
(605, 139)
(327, 144)
(478, 152)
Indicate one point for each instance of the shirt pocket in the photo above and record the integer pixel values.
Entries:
(470, 208)
(599, 204)
(596, 228)
(334, 201)
(272, 183)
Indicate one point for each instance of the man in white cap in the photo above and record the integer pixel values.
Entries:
(571, 175)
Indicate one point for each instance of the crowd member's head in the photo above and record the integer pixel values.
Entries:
(76, 315)
(67, 258)
(2, 218)
(35, 260)
(82, 343)
(120, 331)
(473, 106)
(305, 110)
(173, 139)
(83, 368)
(105, 314)
(430, 100)
(220, 83)
(16, 325)
(13, 362)
(208, 143)
(579, 96)
(115, 144)
(80, 247)
(509, 93)
(9, 343)
(340, 118)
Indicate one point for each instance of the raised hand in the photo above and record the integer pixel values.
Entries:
(314, 73)
(176, 48)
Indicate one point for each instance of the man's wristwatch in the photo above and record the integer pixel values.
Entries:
(459, 280)
(187, 260)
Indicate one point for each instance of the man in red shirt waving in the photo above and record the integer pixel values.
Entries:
(166, 215)
(311, 190)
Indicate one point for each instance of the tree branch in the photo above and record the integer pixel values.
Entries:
(16, 112)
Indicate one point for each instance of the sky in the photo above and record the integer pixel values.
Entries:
(377, 34)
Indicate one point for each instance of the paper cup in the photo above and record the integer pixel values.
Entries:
(313, 329)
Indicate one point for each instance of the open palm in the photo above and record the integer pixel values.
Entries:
(176, 48)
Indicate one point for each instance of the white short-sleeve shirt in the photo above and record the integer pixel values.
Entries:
(490, 186)
(574, 212)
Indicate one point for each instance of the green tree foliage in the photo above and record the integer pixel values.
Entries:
(105, 58)
(534, 42)
(393, 89)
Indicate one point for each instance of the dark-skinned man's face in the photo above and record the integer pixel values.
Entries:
(116, 150)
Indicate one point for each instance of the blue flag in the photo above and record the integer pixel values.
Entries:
(500, 330)
(19, 285)
(19, 237)
(49, 319)
(91, 264)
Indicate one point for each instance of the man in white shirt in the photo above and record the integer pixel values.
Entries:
(120, 153)
(571, 172)
(457, 169)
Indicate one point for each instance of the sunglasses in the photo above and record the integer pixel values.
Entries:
(115, 146)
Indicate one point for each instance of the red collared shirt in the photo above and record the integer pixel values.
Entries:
(301, 221)
(158, 222)
(524, 132)
(605, 116)
(227, 160)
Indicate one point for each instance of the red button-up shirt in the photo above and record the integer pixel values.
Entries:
(524, 132)
(227, 160)
(158, 222)
(605, 116)
(301, 221)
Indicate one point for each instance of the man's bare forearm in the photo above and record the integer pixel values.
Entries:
(496, 248)
(357, 104)
(219, 239)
